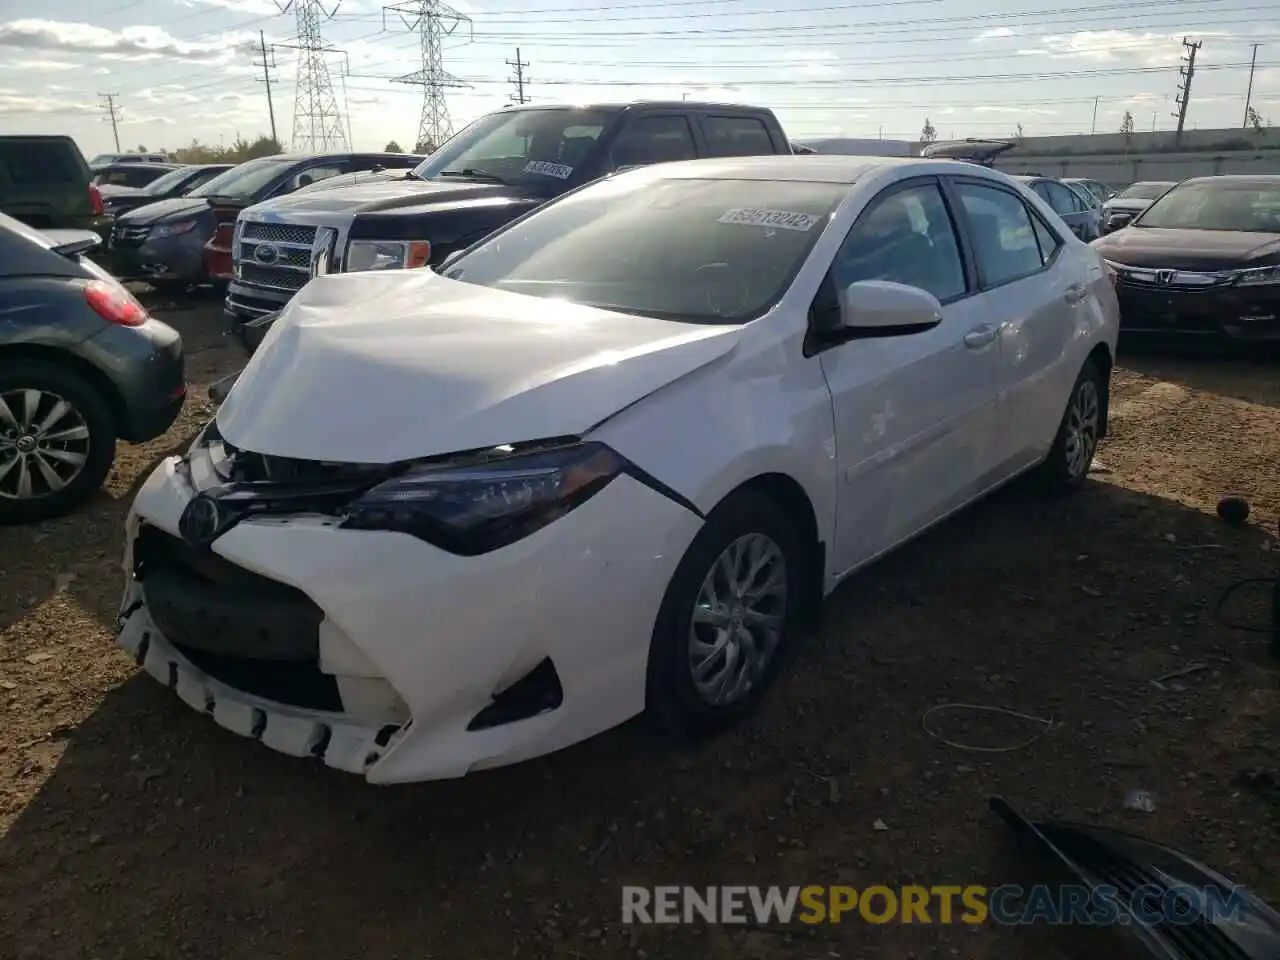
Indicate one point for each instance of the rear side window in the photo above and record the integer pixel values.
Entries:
(653, 140)
(1063, 200)
(736, 137)
(1004, 237)
(35, 163)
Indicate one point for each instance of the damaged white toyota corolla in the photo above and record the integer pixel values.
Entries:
(611, 459)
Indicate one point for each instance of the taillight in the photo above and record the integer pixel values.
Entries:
(114, 304)
(95, 200)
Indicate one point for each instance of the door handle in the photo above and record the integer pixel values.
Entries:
(981, 336)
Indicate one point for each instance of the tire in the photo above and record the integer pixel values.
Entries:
(88, 413)
(1066, 468)
(674, 699)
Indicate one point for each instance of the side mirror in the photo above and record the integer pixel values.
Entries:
(881, 308)
(448, 261)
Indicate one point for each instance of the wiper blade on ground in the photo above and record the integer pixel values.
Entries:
(474, 173)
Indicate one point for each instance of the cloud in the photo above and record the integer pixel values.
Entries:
(14, 102)
(130, 43)
(1020, 111)
(814, 63)
(41, 66)
(1104, 46)
(994, 33)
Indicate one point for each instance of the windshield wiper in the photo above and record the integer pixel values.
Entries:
(474, 173)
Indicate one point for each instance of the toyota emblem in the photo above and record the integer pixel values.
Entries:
(201, 522)
(266, 253)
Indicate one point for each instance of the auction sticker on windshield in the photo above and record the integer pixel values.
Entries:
(542, 167)
(759, 217)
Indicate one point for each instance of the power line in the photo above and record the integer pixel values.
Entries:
(432, 20)
(1187, 73)
(268, 64)
(111, 112)
(517, 78)
(317, 122)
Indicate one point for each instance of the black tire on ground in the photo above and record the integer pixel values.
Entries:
(169, 288)
(92, 407)
(672, 699)
(1063, 470)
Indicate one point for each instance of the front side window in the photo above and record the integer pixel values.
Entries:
(653, 140)
(1063, 201)
(1235, 205)
(537, 149)
(1004, 238)
(906, 237)
(699, 250)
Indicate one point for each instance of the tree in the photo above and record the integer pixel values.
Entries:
(142, 149)
(1255, 120)
(927, 133)
(239, 151)
(392, 147)
(424, 146)
(1018, 135)
(1126, 125)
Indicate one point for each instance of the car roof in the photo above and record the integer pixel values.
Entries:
(133, 165)
(632, 104)
(1240, 179)
(809, 167)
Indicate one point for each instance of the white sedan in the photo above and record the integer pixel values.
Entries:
(609, 459)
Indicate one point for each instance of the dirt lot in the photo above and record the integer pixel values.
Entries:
(132, 827)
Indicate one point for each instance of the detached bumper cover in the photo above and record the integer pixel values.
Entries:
(442, 635)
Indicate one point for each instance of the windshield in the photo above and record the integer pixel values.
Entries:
(539, 149)
(245, 180)
(707, 251)
(1242, 206)
(171, 180)
(1144, 191)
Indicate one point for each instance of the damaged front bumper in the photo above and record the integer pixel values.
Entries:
(389, 658)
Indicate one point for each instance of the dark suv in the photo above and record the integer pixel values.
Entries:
(45, 183)
(499, 167)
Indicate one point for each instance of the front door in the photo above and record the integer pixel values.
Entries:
(914, 414)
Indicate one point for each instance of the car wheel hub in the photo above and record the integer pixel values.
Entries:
(44, 444)
(1082, 429)
(738, 618)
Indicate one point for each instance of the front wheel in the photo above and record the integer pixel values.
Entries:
(57, 441)
(1071, 456)
(726, 617)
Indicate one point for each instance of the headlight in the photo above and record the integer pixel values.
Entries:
(474, 507)
(387, 254)
(1259, 277)
(172, 229)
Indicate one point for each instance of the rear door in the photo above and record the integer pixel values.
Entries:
(1069, 207)
(1028, 297)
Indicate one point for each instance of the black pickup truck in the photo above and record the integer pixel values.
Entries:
(499, 167)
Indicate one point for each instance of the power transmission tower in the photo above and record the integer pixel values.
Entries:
(433, 20)
(1248, 97)
(268, 64)
(518, 79)
(317, 122)
(111, 112)
(1186, 72)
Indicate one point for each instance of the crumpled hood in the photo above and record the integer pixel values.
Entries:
(379, 195)
(164, 210)
(380, 368)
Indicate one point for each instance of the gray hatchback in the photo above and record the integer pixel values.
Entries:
(81, 365)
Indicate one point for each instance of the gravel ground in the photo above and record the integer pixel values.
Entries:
(132, 827)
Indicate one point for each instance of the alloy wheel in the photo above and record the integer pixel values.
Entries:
(44, 444)
(1082, 428)
(738, 619)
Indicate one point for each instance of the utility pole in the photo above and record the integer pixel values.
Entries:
(1094, 128)
(1248, 97)
(268, 64)
(111, 112)
(518, 66)
(1186, 72)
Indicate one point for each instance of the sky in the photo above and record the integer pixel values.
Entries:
(184, 69)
